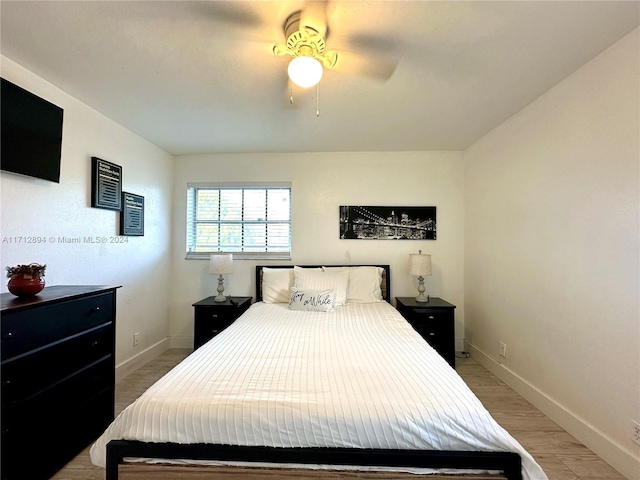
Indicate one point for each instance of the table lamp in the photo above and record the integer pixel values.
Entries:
(220, 264)
(420, 266)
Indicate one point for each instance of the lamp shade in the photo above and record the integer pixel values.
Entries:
(420, 264)
(221, 263)
(305, 71)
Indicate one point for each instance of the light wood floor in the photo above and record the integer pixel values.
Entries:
(561, 456)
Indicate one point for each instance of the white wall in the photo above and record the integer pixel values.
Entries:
(321, 182)
(551, 252)
(33, 207)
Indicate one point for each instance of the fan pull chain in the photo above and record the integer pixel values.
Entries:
(317, 97)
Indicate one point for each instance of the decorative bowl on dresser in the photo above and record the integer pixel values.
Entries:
(434, 320)
(58, 374)
(212, 317)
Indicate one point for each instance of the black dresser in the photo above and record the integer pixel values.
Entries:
(58, 373)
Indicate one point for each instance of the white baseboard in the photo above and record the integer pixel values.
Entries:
(125, 368)
(182, 341)
(610, 451)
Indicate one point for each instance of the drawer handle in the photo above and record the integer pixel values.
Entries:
(215, 332)
(431, 334)
(7, 336)
(431, 317)
(6, 383)
(95, 310)
(214, 315)
(94, 344)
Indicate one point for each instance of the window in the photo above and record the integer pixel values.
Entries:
(248, 221)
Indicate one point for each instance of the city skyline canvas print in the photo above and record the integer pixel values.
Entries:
(388, 223)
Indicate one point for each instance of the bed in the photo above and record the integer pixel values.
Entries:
(341, 381)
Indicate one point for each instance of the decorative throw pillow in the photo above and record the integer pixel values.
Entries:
(276, 284)
(312, 300)
(320, 280)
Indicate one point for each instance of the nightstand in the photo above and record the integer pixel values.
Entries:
(434, 320)
(213, 317)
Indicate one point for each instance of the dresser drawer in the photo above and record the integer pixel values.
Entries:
(39, 445)
(61, 400)
(208, 329)
(28, 329)
(32, 372)
(218, 315)
(438, 336)
(436, 328)
(425, 316)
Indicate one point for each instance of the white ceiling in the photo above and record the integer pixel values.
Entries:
(195, 77)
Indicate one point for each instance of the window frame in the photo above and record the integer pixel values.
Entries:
(191, 221)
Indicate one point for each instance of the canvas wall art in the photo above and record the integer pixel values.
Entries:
(388, 223)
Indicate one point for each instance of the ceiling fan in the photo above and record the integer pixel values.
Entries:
(306, 44)
(305, 32)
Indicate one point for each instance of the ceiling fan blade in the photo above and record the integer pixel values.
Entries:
(373, 44)
(377, 67)
(314, 16)
(238, 14)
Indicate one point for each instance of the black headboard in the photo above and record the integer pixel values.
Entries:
(385, 285)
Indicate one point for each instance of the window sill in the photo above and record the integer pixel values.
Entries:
(241, 256)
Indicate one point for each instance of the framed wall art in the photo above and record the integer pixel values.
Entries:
(106, 184)
(132, 215)
(388, 223)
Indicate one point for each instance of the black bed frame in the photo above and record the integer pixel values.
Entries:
(509, 463)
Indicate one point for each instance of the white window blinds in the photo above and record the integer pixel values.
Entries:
(248, 221)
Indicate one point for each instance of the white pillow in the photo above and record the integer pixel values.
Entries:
(364, 283)
(318, 279)
(276, 284)
(296, 267)
(312, 300)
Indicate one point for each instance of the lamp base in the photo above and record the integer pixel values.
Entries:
(220, 297)
(422, 298)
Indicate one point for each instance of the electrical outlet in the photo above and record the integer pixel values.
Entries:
(635, 432)
(503, 350)
(136, 339)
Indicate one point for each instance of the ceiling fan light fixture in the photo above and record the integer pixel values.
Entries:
(305, 71)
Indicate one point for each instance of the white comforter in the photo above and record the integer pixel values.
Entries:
(356, 377)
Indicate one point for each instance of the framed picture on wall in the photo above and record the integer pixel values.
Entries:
(132, 216)
(388, 223)
(106, 184)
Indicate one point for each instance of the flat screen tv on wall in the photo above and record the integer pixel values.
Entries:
(31, 131)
